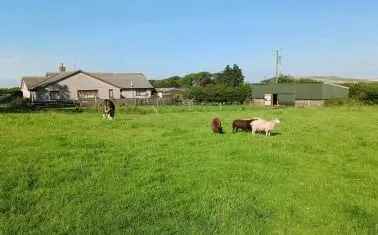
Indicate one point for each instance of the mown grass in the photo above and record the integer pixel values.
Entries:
(163, 171)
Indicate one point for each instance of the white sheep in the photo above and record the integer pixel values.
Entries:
(264, 126)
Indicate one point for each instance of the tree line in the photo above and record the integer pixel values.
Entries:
(9, 91)
(288, 79)
(226, 86)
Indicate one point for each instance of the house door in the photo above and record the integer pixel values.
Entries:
(111, 94)
(275, 99)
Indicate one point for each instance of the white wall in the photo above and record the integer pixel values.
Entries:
(72, 85)
(128, 94)
(25, 90)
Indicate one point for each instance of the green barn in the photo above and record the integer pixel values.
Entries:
(298, 94)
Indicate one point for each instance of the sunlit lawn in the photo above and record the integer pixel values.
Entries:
(163, 171)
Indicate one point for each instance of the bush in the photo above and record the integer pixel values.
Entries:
(364, 92)
(9, 91)
(220, 93)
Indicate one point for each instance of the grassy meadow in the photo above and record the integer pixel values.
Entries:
(163, 172)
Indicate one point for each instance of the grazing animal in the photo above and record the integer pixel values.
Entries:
(216, 126)
(108, 109)
(242, 124)
(264, 126)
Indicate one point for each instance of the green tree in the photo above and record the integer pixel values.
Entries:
(197, 79)
(238, 77)
(364, 92)
(231, 76)
(220, 93)
(225, 76)
(174, 81)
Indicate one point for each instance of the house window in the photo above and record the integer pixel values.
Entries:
(54, 95)
(141, 92)
(111, 94)
(87, 94)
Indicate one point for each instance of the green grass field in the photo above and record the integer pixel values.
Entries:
(164, 173)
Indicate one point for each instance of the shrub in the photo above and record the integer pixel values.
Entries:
(220, 93)
(364, 92)
(9, 91)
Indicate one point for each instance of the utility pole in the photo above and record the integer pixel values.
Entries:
(278, 62)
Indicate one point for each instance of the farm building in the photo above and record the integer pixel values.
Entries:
(298, 94)
(169, 92)
(78, 85)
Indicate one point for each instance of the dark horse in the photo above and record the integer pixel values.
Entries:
(216, 126)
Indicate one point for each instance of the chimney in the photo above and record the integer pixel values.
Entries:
(61, 68)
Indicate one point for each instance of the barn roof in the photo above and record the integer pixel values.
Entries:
(306, 91)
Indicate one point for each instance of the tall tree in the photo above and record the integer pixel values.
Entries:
(231, 76)
(238, 77)
(197, 79)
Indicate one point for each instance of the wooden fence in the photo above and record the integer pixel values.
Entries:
(144, 101)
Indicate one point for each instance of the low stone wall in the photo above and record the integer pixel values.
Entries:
(304, 103)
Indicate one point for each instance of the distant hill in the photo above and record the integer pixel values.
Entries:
(337, 80)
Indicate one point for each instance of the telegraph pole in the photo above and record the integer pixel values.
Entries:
(278, 62)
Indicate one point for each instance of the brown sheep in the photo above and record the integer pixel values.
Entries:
(216, 126)
(242, 124)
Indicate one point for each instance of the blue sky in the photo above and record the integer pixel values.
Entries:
(163, 38)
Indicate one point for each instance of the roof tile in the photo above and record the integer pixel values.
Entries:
(121, 80)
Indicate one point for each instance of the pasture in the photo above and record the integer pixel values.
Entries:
(165, 172)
